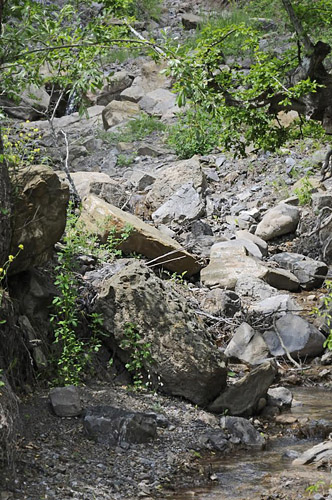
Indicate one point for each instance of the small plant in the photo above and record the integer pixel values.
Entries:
(1, 381)
(318, 486)
(76, 352)
(136, 129)
(125, 160)
(140, 355)
(304, 191)
(3, 274)
(177, 277)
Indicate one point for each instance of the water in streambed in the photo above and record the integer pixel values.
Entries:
(248, 474)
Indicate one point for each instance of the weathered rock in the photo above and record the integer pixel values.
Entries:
(257, 289)
(214, 440)
(99, 217)
(310, 273)
(247, 345)
(9, 422)
(159, 102)
(191, 21)
(34, 102)
(66, 401)
(319, 455)
(229, 262)
(251, 248)
(185, 205)
(182, 356)
(241, 431)
(142, 180)
(39, 216)
(243, 396)
(100, 185)
(299, 337)
(276, 305)
(115, 426)
(279, 220)
(321, 200)
(221, 302)
(118, 112)
(37, 353)
(245, 235)
(172, 178)
(91, 118)
(280, 397)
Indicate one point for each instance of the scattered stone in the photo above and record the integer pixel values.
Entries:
(299, 337)
(280, 220)
(255, 288)
(247, 345)
(310, 273)
(321, 200)
(243, 396)
(281, 279)
(184, 206)
(115, 426)
(66, 401)
(245, 235)
(159, 102)
(221, 302)
(280, 397)
(286, 419)
(142, 180)
(114, 85)
(214, 440)
(319, 455)
(182, 356)
(99, 217)
(240, 430)
(276, 305)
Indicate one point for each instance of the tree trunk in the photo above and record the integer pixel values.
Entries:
(5, 191)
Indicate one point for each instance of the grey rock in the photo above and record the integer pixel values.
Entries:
(159, 102)
(280, 397)
(280, 220)
(117, 112)
(327, 358)
(261, 244)
(247, 345)
(101, 185)
(321, 200)
(142, 179)
(278, 304)
(310, 273)
(214, 440)
(34, 102)
(112, 89)
(183, 357)
(185, 205)
(221, 302)
(299, 336)
(257, 289)
(115, 426)
(242, 430)
(243, 396)
(191, 21)
(319, 455)
(66, 401)
(250, 246)
(281, 279)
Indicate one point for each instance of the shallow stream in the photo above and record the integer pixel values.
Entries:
(248, 474)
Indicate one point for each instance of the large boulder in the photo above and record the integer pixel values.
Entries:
(113, 86)
(100, 217)
(279, 220)
(320, 455)
(150, 79)
(39, 216)
(159, 102)
(101, 185)
(181, 355)
(300, 337)
(241, 431)
(243, 397)
(310, 273)
(172, 178)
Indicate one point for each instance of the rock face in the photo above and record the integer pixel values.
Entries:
(282, 219)
(183, 357)
(100, 217)
(242, 398)
(115, 426)
(112, 89)
(310, 273)
(33, 102)
(39, 216)
(299, 337)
